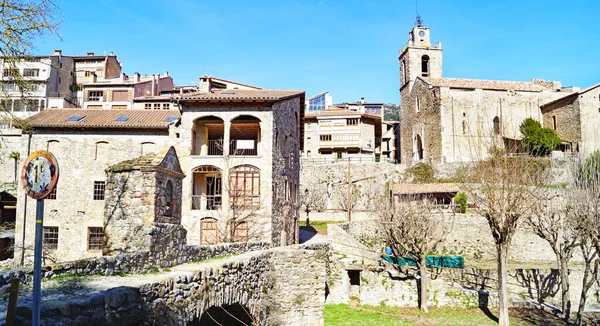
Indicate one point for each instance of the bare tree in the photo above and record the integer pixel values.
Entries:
(314, 196)
(551, 222)
(414, 230)
(584, 206)
(22, 23)
(505, 192)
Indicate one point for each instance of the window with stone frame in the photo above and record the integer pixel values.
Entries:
(208, 231)
(244, 186)
(99, 187)
(95, 236)
(240, 232)
(50, 237)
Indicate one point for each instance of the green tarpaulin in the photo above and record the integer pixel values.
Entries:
(432, 261)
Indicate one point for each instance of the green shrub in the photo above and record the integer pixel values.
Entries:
(421, 173)
(461, 201)
(538, 141)
(588, 172)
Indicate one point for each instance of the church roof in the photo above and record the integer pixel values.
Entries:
(484, 84)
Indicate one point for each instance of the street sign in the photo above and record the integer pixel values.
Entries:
(40, 174)
(39, 177)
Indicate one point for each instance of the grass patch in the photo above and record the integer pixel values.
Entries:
(319, 226)
(342, 314)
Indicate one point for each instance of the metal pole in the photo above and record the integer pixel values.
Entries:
(349, 190)
(37, 263)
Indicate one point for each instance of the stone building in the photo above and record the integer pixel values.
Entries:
(455, 120)
(350, 131)
(142, 210)
(239, 151)
(575, 118)
(85, 143)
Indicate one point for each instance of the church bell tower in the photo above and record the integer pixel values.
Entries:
(419, 58)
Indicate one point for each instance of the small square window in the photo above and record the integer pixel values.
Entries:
(95, 236)
(50, 237)
(99, 190)
(148, 106)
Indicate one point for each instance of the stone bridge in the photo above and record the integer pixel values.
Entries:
(284, 285)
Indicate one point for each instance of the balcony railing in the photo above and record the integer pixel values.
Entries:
(329, 160)
(215, 147)
(243, 147)
(206, 202)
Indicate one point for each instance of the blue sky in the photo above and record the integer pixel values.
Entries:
(348, 47)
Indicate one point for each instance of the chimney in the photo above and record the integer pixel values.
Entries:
(112, 54)
(90, 54)
(362, 100)
(153, 82)
(94, 77)
(123, 76)
(57, 52)
(136, 77)
(166, 74)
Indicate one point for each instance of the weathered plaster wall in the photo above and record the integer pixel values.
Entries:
(82, 157)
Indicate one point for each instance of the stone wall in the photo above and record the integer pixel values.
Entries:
(134, 263)
(532, 270)
(10, 141)
(330, 181)
(285, 171)
(277, 286)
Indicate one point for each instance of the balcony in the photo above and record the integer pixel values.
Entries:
(206, 202)
(206, 191)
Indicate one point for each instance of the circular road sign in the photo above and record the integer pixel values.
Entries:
(40, 174)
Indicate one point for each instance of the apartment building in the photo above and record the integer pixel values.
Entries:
(124, 93)
(348, 131)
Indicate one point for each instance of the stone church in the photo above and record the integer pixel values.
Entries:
(446, 120)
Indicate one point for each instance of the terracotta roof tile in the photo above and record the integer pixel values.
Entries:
(484, 84)
(241, 95)
(141, 119)
(423, 188)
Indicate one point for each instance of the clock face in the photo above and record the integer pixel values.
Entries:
(40, 174)
(421, 33)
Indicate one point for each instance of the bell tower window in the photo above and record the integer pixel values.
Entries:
(425, 66)
(402, 73)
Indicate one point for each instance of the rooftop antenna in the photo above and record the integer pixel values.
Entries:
(419, 22)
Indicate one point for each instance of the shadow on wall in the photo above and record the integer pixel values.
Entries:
(235, 314)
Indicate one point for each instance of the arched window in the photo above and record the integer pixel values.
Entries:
(418, 104)
(419, 145)
(101, 150)
(402, 73)
(244, 186)
(496, 126)
(169, 199)
(206, 188)
(208, 231)
(425, 66)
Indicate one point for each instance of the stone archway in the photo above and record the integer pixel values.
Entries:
(235, 314)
